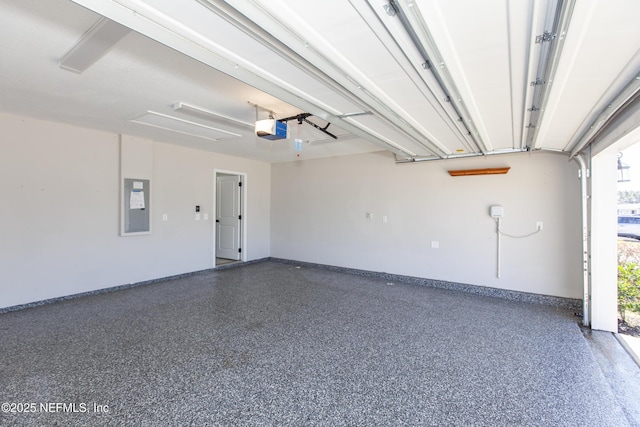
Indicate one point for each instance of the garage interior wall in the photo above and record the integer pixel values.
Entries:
(437, 226)
(61, 211)
(60, 215)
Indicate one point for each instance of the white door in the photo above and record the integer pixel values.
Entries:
(228, 216)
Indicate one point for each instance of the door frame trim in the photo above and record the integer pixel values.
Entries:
(243, 212)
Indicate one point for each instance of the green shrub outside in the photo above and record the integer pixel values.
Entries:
(628, 278)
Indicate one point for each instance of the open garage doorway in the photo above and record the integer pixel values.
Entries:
(628, 254)
(607, 168)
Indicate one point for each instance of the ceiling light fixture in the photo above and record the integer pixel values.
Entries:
(182, 126)
(93, 45)
(201, 113)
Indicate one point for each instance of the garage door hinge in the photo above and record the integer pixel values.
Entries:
(391, 8)
(545, 37)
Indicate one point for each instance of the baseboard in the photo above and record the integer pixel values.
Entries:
(569, 303)
(127, 286)
(573, 304)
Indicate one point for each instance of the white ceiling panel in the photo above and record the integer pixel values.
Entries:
(476, 52)
(601, 45)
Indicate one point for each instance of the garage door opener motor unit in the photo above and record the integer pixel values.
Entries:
(271, 129)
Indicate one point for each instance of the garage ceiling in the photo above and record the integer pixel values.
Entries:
(425, 79)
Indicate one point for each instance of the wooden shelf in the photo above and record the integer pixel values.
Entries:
(486, 171)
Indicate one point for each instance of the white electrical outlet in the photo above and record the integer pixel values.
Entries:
(539, 225)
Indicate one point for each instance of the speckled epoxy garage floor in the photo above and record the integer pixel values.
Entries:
(272, 344)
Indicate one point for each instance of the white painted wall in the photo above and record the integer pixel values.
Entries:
(604, 241)
(60, 215)
(319, 206)
(60, 212)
